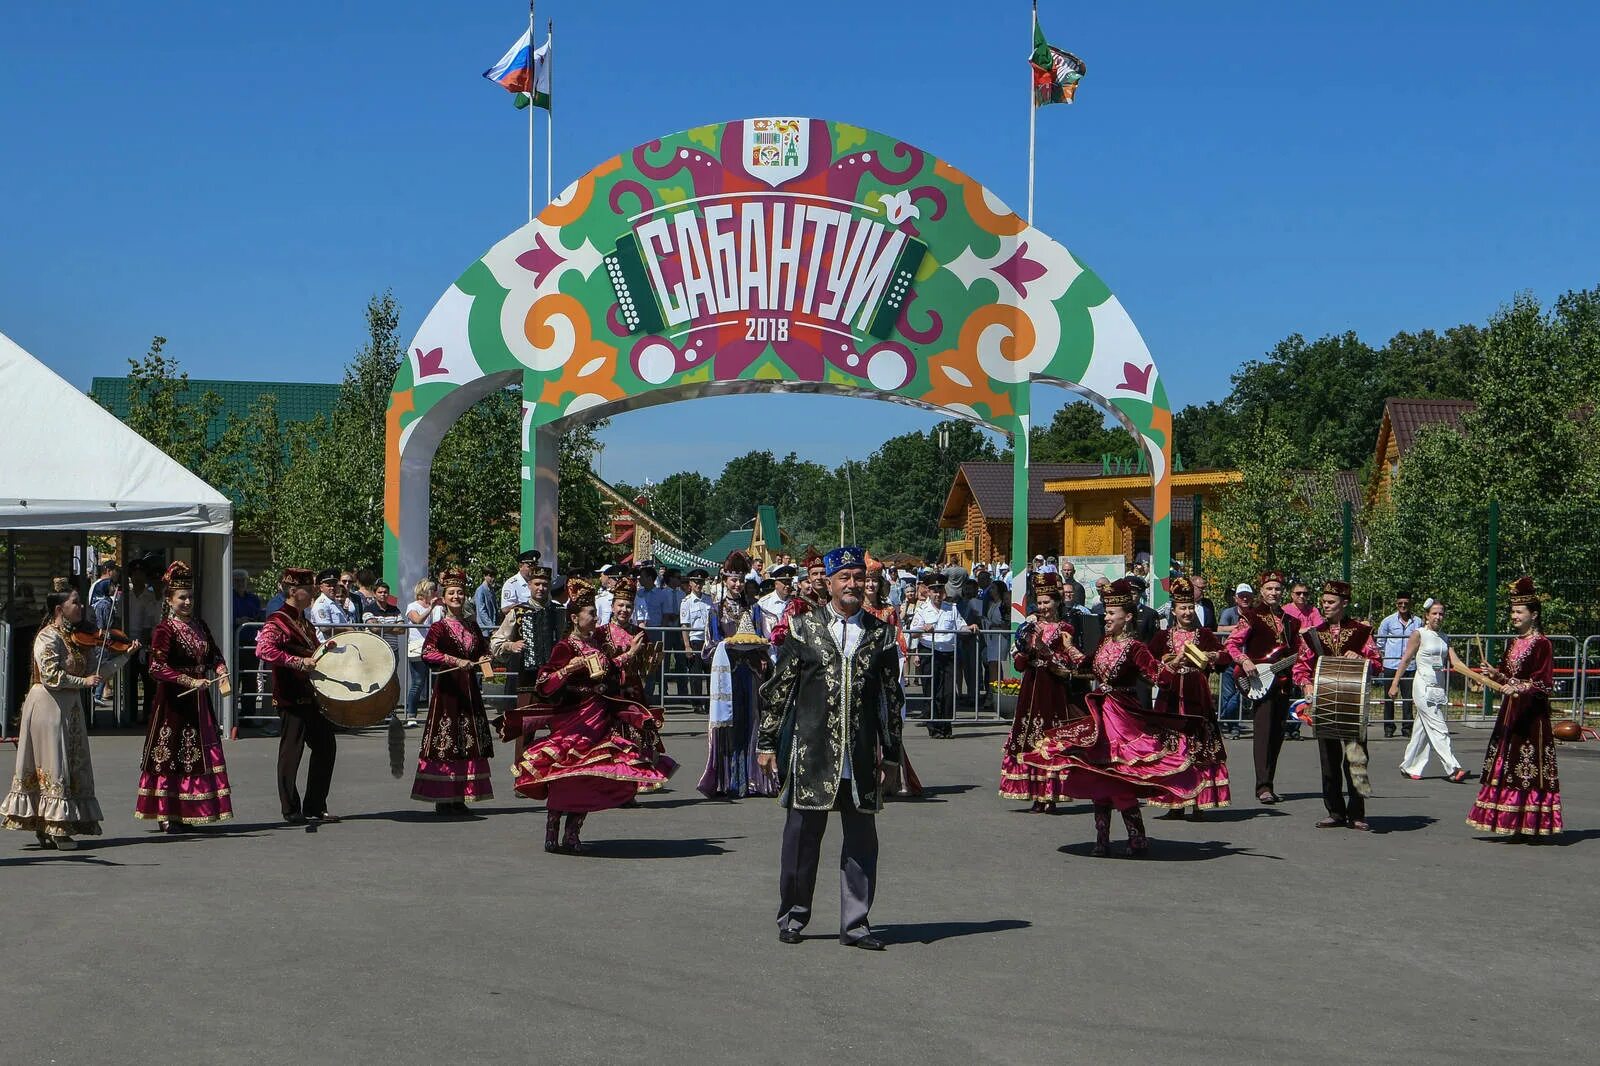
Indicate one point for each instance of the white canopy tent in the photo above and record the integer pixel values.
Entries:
(66, 463)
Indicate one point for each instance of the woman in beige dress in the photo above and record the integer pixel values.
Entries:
(52, 792)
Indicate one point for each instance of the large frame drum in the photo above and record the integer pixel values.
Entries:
(1339, 699)
(355, 680)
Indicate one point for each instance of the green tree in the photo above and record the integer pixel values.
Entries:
(1078, 434)
(901, 488)
(332, 491)
(475, 485)
(680, 502)
(1279, 515)
(162, 410)
(582, 519)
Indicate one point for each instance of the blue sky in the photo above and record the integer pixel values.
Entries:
(240, 178)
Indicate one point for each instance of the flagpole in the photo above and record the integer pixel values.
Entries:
(550, 114)
(532, 109)
(1033, 109)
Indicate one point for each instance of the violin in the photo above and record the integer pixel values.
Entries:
(113, 640)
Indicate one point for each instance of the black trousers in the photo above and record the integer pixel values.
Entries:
(858, 866)
(302, 728)
(1268, 715)
(942, 706)
(1337, 785)
(1404, 701)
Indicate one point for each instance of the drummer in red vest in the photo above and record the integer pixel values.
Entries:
(287, 643)
(1337, 637)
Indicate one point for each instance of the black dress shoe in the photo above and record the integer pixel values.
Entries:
(294, 819)
(789, 936)
(866, 943)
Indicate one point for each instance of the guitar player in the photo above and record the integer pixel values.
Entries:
(1265, 636)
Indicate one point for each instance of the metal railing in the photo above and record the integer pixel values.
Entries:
(1587, 685)
(1577, 682)
(253, 678)
(680, 681)
(5, 679)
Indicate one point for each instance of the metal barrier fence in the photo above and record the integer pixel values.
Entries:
(681, 680)
(1588, 684)
(5, 679)
(1577, 682)
(942, 688)
(252, 692)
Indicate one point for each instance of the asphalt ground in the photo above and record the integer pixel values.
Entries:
(398, 937)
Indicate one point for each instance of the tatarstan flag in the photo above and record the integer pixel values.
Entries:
(1056, 72)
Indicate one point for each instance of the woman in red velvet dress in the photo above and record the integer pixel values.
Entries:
(1521, 791)
(629, 649)
(182, 778)
(1119, 753)
(586, 764)
(899, 782)
(1044, 653)
(453, 762)
(1191, 697)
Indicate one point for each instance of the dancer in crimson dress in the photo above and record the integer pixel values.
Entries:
(632, 650)
(1043, 651)
(453, 763)
(1521, 791)
(1191, 696)
(1118, 753)
(182, 776)
(586, 763)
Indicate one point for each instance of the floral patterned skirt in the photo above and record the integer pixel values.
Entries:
(1521, 790)
(182, 776)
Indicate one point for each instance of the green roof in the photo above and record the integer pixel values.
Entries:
(298, 401)
(767, 522)
(718, 550)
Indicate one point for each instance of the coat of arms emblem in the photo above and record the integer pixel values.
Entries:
(775, 149)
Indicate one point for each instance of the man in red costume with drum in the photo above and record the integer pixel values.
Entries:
(1265, 636)
(287, 643)
(1344, 762)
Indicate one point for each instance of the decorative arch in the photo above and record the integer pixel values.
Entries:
(766, 255)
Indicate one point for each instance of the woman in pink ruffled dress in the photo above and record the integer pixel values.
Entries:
(587, 762)
(1119, 753)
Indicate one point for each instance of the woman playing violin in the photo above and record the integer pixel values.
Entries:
(52, 793)
(182, 777)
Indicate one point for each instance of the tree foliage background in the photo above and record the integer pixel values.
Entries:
(1292, 418)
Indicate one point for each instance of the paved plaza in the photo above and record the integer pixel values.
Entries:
(396, 937)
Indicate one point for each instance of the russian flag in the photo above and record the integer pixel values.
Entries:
(514, 71)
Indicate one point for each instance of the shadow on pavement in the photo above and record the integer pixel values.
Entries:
(934, 792)
(1237, 814)
(188, 836)
(40, 856)
(1403, 823)
(1163, 849)
(932, 932)
(692, 848)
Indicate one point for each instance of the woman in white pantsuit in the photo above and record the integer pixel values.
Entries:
(1429, 651)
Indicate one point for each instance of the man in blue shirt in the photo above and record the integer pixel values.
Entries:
(486, 602)
(1392, 635)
